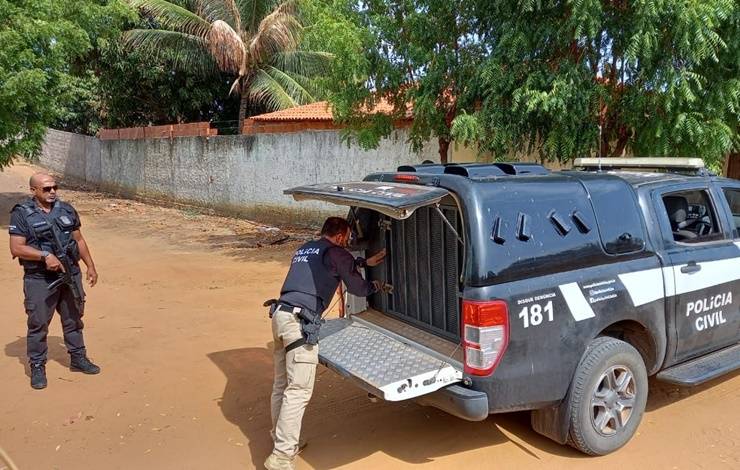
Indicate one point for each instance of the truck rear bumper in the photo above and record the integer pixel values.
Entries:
(459, 401)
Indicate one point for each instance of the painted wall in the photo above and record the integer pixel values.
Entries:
(232, 174)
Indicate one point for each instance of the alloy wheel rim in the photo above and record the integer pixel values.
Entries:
(613, 400)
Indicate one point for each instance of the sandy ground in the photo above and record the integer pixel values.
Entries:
(177, 326)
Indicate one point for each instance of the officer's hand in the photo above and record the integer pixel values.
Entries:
(92, 276)
(376, 259)
(383, 287)
(53, 263)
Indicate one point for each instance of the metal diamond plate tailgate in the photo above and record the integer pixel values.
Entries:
(382, 364)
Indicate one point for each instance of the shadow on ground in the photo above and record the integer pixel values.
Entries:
(341, 418)
(57, 351)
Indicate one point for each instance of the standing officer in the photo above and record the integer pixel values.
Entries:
(32, 242)
(315, 272)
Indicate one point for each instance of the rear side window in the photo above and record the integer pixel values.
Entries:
(617, 214)
(692, 217)
(733, 200)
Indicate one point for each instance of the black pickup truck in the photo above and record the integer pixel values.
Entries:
(516, 288)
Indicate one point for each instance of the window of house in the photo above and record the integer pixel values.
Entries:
(692, 217)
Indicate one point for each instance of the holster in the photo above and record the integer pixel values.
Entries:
(272, 304)
(310, 325)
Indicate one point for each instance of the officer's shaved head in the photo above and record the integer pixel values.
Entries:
(39, 178)
(43, 187)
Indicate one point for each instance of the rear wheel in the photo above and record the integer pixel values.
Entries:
(607, 397)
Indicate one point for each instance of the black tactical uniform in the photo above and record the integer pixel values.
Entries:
(315, 272)
(40, 301)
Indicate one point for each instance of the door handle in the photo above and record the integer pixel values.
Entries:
(691, 268)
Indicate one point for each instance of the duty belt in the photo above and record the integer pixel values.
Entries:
(297, 312)
(289, 309)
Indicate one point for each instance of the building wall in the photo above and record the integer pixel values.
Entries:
(244, 174)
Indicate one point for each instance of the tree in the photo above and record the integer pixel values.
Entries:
(658, 78)
(419, 56)
(40, 40)
(560, 78)
(134, 91)
(257, 41)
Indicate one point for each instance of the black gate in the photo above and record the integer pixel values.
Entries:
(423, 264)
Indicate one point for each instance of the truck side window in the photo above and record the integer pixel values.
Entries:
(733, 200)
(692, 217)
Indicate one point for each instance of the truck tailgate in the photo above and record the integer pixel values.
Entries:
(382, 363)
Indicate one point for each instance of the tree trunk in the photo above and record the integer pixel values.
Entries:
(243, 105)
(623, 137)
(604, 144)
(444, 147)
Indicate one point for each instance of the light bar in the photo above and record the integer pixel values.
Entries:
(656, 162)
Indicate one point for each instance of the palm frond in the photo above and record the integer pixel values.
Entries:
(226, 47)
(266, 90)
(233, 10)
(308, 63)
(252, 11)
(184, 51)
(173, 17)
(214, 10)
(314, 86)
(297, 86)
(279, 31)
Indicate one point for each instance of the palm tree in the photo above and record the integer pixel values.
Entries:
(255, 40)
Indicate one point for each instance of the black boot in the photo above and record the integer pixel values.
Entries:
(83, 364)
(38, 376)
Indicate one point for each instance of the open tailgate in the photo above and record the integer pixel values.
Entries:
(386, 365)
(397, 200)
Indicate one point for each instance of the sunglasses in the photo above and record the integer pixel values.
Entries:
(47, 189)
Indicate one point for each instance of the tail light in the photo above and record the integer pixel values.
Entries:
(485, 335)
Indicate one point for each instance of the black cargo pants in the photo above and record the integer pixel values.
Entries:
(40, 304)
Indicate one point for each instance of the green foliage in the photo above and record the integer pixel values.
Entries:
(420, 53)
(135, 91)
(43, 77)
(255, 42)
(661, 78)
(560, 78)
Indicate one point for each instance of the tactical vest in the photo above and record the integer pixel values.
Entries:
(310, 283)
(63, 217)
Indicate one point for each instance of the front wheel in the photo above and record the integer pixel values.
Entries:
(607, 396)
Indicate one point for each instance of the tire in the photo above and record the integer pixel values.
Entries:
(607, 397)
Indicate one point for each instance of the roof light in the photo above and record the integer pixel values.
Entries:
(657, 162)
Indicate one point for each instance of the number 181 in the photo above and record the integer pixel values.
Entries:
(534, 314)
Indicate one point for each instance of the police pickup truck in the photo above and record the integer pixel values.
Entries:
(516, 288)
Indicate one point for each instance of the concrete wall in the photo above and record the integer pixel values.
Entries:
(73, 155)
(238, 174)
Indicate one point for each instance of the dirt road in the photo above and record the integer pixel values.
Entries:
(177, 326)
